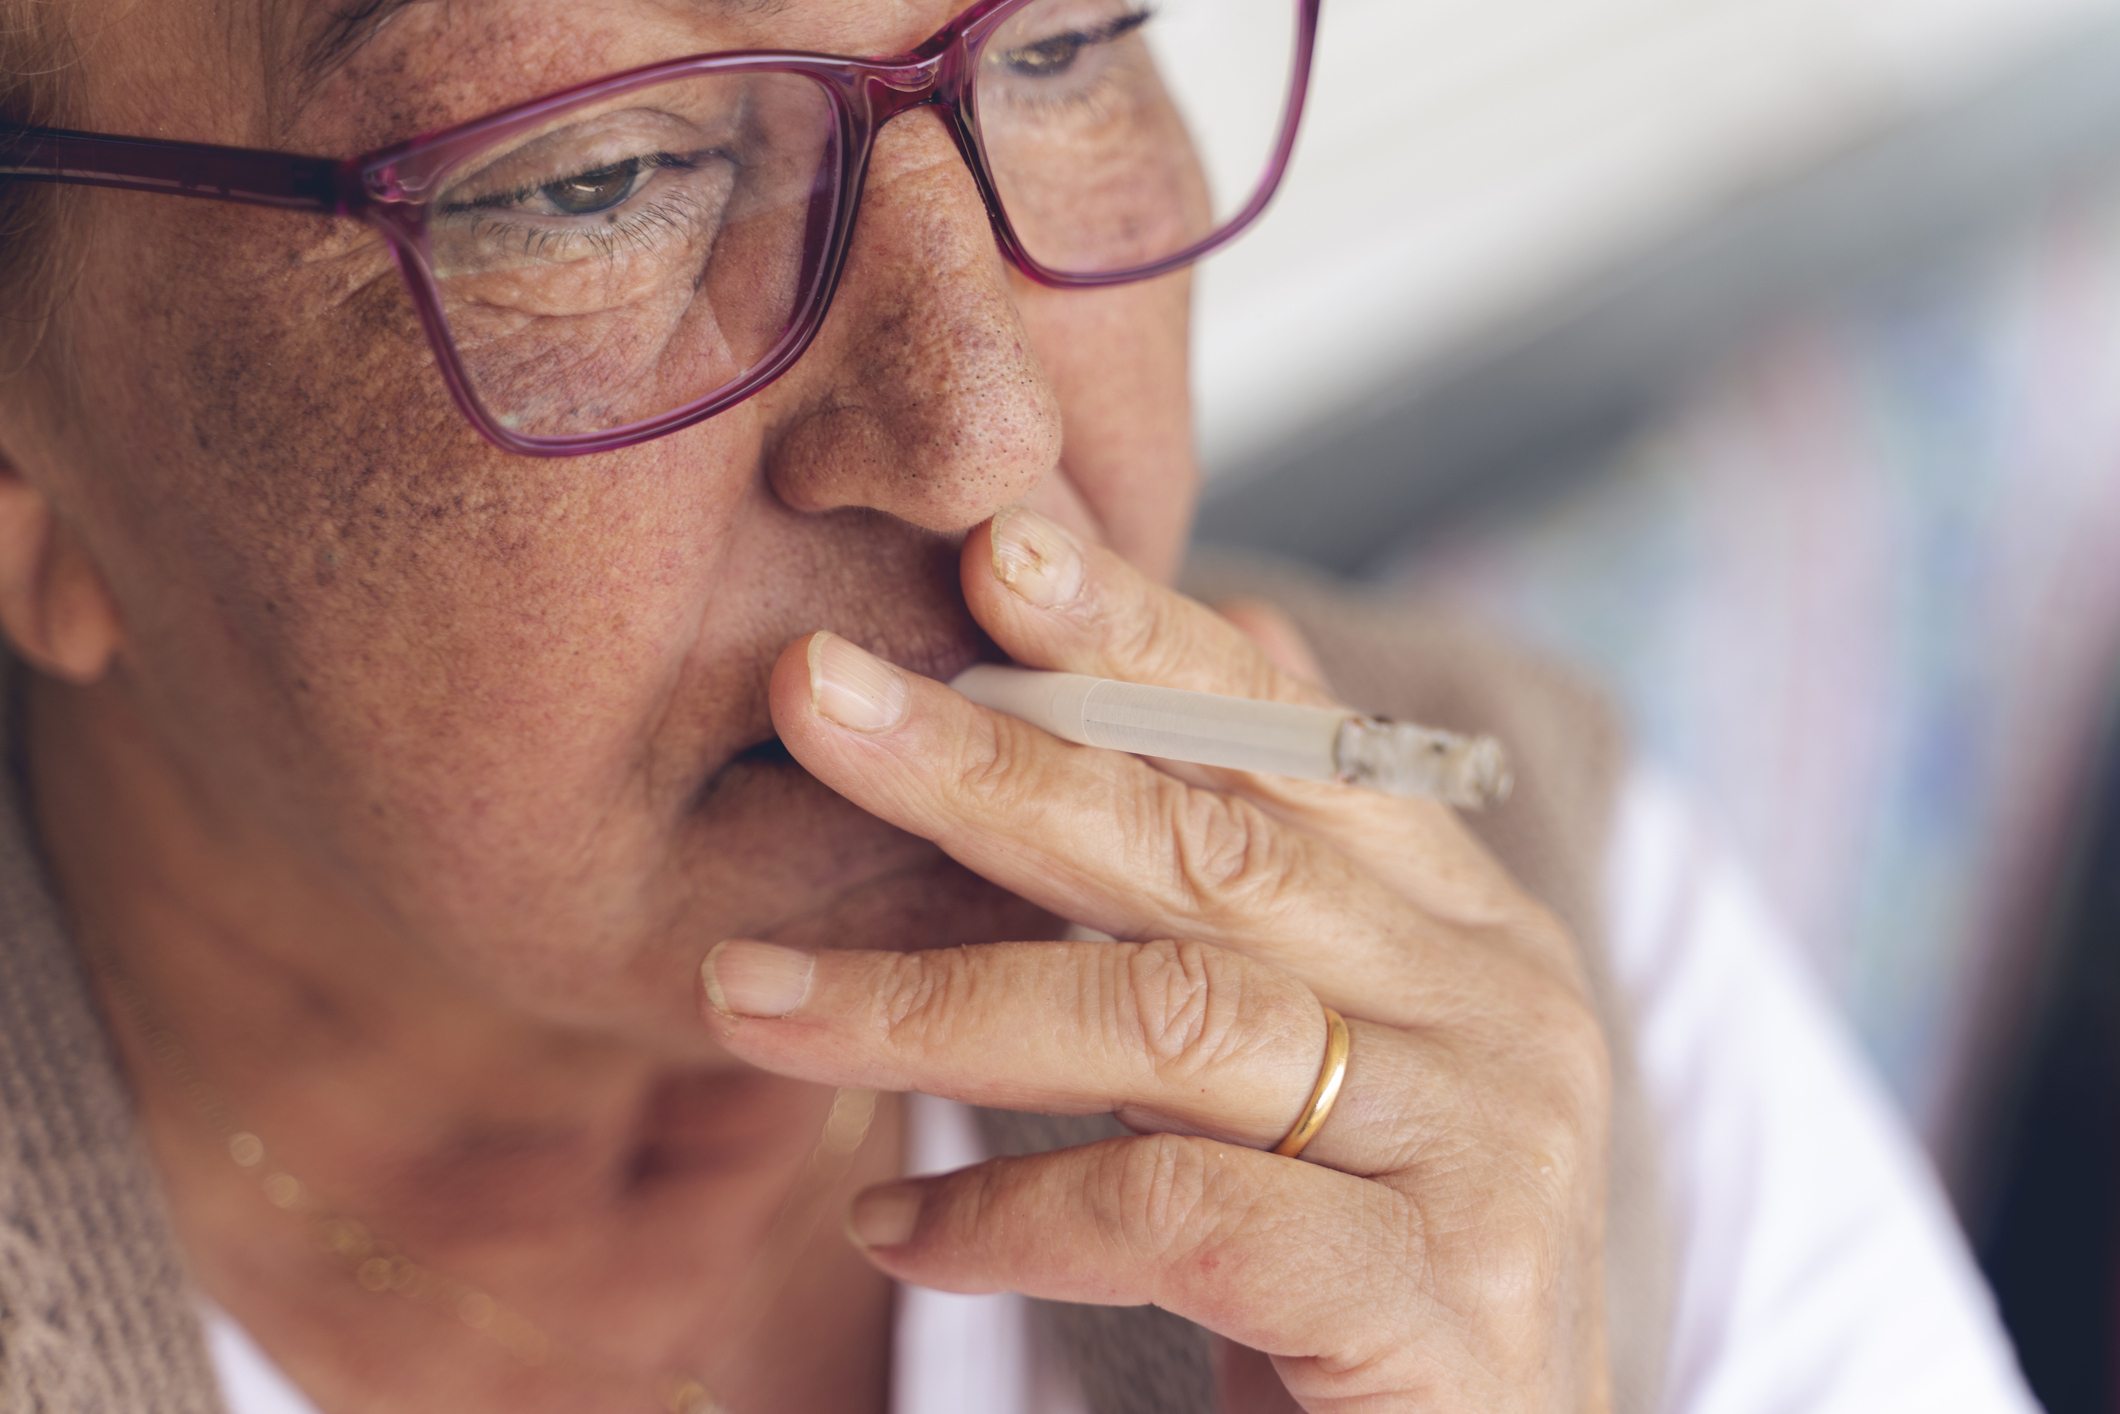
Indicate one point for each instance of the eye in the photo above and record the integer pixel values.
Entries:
(587, 193)
(1051, 57)
(1047, 57)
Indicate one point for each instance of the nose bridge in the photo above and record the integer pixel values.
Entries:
(895, 85)
(922, 397)
(893, 103)
(930, 81)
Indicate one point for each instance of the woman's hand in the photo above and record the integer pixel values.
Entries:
(1437, 1246)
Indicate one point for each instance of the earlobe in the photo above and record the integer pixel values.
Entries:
(55, 608)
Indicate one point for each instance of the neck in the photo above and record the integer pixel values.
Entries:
(621, 1203)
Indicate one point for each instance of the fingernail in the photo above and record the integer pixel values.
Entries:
(858, 690)
(1036, 558)
(757, 979)
(886, 1216)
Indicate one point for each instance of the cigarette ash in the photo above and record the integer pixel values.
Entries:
(1398, 758)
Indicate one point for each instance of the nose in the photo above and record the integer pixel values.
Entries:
(921, 396)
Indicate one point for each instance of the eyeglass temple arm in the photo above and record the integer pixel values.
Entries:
(236, 174)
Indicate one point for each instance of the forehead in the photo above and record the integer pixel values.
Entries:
(329, 32)
(390, 68)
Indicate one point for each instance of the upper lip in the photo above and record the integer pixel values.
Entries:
(942, 659)
(940, 656)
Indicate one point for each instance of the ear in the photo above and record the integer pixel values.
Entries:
(54, 605)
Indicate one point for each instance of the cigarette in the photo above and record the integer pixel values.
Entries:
(1275, 738)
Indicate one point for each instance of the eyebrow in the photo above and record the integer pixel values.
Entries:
(350, 25)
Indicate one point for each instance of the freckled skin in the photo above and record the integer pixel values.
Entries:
(400, 619)
(420, 773)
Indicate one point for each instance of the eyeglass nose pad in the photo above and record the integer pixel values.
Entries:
(914, 78)
(898, 89)
(922, 76)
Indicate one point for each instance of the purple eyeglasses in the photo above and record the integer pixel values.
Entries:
(616, 262)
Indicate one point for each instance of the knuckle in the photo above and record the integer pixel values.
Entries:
(1190, 1009)
(1574, 1061)
(1549, 1026)
(1519, 1259)
(1527, 1096)
(995, 769)
(1160, 637)
(1228, 858)
(1558, 1108)
(1160, 1192)
(1140, 631)
(1526, 928)
(919, 996)
(1585, 1052)
(1495, 1261)
(1166, 1002)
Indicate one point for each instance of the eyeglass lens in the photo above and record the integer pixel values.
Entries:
(638, 255)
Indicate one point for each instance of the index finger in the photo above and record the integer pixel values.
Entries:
(1053, 602)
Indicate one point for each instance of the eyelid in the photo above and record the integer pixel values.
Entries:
(1109, 32)
(507, 200)
(612, 134)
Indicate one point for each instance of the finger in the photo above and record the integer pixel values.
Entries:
(1275, 635)
(1315, 1267)
(1104, 840)
(1170, 1037)
(1052, 602)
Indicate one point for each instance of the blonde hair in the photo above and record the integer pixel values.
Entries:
(36, 58)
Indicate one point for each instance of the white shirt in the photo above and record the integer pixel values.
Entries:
(1820, 1271)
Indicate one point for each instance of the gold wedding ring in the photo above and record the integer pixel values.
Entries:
(1324, 1093)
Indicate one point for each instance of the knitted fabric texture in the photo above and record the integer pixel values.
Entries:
(96, 1315)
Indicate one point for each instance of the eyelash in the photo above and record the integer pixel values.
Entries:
(1109, 33)
(1090, 40)
(610, 239)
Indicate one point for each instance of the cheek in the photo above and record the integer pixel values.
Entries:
(1117, 360)
(335, 586)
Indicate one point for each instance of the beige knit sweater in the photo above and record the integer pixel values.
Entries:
(96, 1316)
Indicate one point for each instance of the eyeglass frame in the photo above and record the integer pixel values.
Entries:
(383, 189)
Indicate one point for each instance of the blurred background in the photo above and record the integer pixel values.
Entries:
(1763, 358)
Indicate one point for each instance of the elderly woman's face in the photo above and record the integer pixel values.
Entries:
(513, 711)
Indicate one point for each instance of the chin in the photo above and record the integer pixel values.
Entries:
(766, 852)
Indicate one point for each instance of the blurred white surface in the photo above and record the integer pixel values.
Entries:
(1467, 162)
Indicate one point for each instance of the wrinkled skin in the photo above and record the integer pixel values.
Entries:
(411, 783)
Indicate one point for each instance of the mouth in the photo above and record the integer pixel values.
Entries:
(770, 752)
(943, 657)
(936, 640)
(941, 661)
